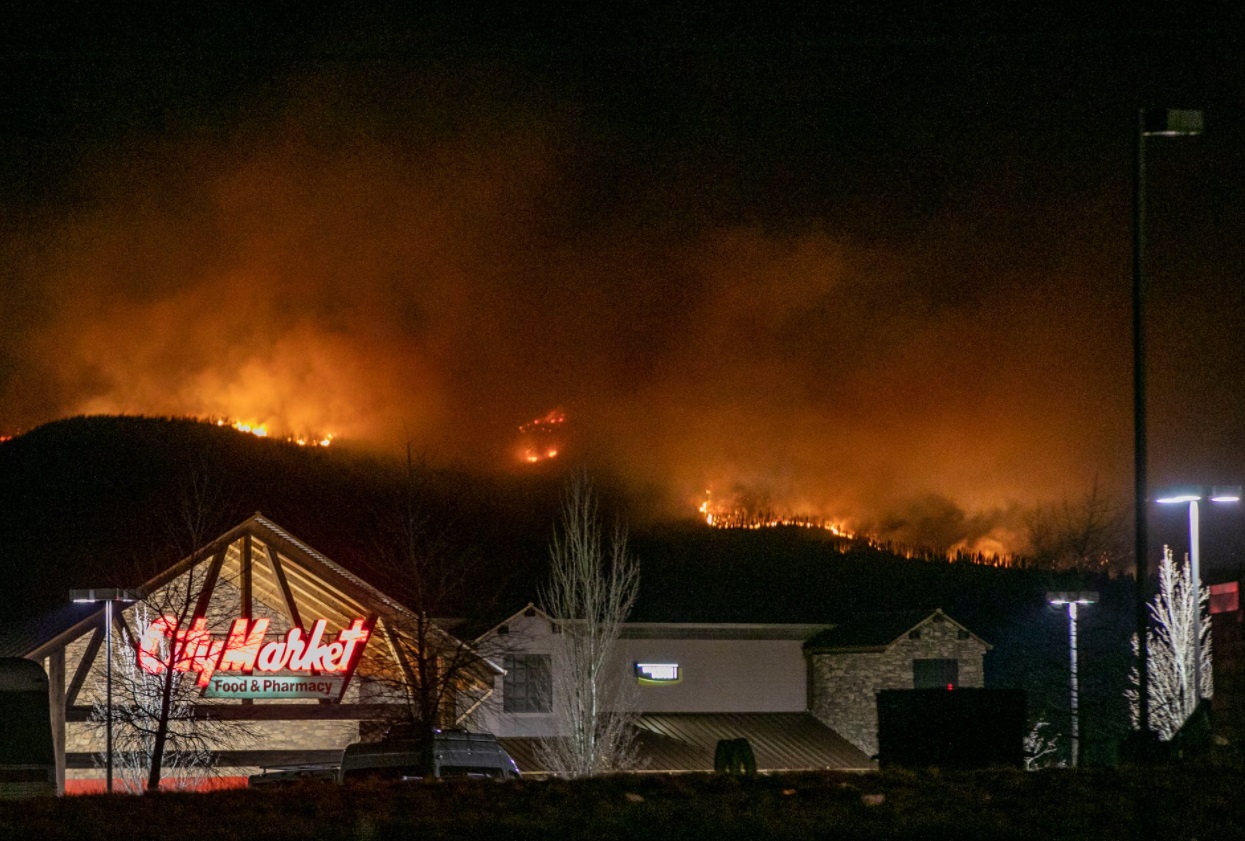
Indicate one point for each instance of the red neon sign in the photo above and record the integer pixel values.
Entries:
(243, 649)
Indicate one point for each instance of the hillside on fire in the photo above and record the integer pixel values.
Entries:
(100, 501)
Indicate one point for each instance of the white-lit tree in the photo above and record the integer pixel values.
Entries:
(1041, 747)
(592, 587)
(1173, 619)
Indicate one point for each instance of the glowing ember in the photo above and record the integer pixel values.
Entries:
(541, 439)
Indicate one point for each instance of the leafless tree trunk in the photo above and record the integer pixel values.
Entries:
(591, 591)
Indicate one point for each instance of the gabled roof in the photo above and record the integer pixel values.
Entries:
(687, 742)
(284, 572)
(528, 609)
(330, 573)
(878, 631)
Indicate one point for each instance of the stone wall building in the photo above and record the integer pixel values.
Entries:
(686, 680)
(853, 661)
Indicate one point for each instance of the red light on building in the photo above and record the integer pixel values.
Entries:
(1225, 598)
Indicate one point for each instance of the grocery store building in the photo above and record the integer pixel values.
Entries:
(288, 657)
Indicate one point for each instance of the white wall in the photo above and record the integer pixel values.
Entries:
(720, 675)
(527, 635)
(724, 669)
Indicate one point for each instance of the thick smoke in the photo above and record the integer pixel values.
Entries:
(394, 277)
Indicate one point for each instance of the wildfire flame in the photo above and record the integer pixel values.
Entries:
(722, 516)
(540, 438)
(260, 430)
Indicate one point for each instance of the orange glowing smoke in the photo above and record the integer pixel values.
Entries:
(541, 439)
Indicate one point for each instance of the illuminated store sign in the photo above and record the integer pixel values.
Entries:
(243, 665)
(652, 674)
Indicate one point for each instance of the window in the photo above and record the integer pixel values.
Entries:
(658, 674)
(935, 674)
(528, 684)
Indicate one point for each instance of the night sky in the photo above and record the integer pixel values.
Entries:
(869, 263)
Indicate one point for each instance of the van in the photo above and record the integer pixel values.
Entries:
(27, 758)
(407, 755)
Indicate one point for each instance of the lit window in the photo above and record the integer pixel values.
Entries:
(657, 674)
(528, 684)
(935, 674)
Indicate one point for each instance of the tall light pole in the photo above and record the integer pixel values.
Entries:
(108, 597)
(1219, 493)
(1073, 600)
(1150, 123)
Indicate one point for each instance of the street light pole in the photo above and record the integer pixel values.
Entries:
(108, 597)
(1072, 600)
(1220, 493)
(1150, 123)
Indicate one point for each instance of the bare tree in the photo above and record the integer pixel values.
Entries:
(1174, 616)
(441, 680)
(1088, 534)
(161, 727)
(591, 591)
(155, 720)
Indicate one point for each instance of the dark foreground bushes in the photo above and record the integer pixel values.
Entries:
(1177, 803)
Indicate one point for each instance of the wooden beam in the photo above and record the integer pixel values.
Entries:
(369, 625)
(56, 701)
(209, 583)
(122, 627)
(246, 578)
(245, 589)
(276, 712)
(279, 573)
(395, 646)
(84, 665)
(356, 590)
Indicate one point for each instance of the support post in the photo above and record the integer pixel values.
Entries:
(56, 702)
(1140, 550)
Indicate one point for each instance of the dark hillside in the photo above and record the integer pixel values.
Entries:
(95, 502)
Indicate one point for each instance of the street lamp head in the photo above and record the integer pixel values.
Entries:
(1072, 597)
(1225, 493)
(1167, 122)
(1187, 493)
(102, 594)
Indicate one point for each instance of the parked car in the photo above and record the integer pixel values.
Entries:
(405, 754)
